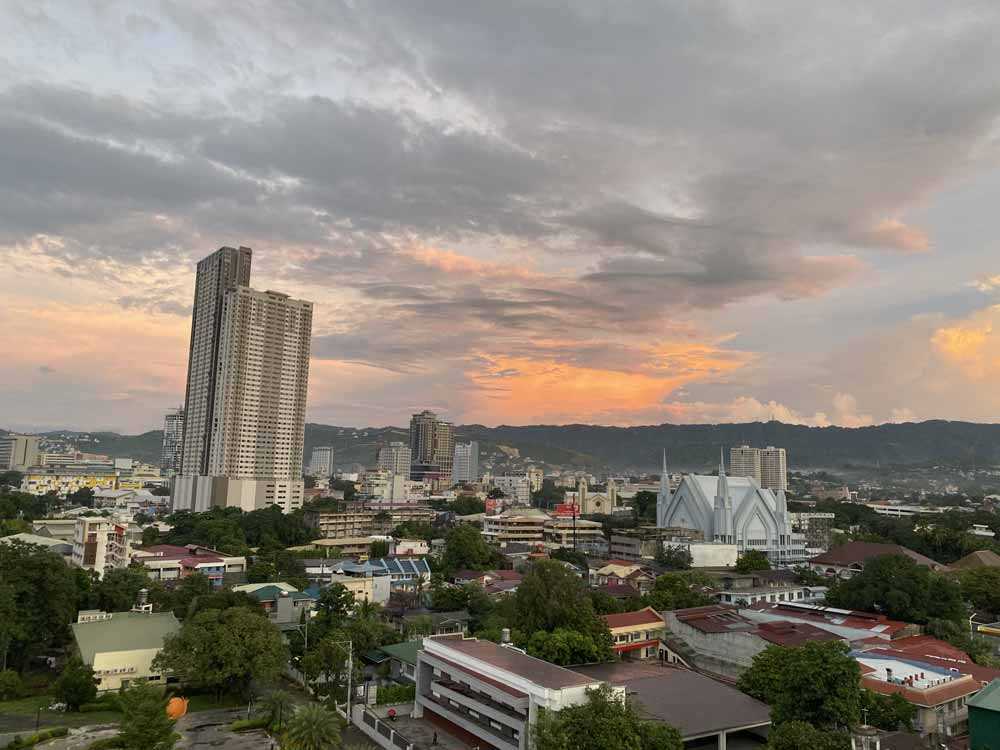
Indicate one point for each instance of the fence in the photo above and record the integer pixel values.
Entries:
(379, 730)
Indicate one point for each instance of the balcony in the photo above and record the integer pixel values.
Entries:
(477, 726)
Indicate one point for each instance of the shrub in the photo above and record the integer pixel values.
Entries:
(107, 743)
(245, 725)
(395, 694)
(33, 739)
(11, 685)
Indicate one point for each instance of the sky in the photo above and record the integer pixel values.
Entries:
(511, 213)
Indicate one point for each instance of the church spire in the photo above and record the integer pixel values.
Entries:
(664, 477)
(723, 505)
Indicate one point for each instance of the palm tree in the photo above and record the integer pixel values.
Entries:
(279, 707)
(313, 728)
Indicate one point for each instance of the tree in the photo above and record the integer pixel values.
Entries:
(752, 560)
(313, 727)
(644, 505)
(150, 536)
(900, 588)
(467, 505)
(573, 556)
(335, 603)
(605, 722)
(76, 685)
(888, 712)
(550, 597)
(817, 683)
(11, 685)
(565, 647)
(223, 650)
(261, 572)
(981, 588)
(10, 478)
(798, 735)
(279, 706)
(678, 591)
(119, 589)
(378, 548)
(188, 590)
(674, 557)
(83, 496)
(145, 724)
(465, 549)
(38, 599)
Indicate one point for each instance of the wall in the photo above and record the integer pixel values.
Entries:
(141, 661)
(727, 654)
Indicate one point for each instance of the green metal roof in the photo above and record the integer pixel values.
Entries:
(406, 651)
(125, 631)
(988, 697)
(271, 592)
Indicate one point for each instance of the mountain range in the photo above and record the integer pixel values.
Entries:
(689, 447)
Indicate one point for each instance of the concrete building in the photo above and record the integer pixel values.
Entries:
(168, 562)
(395, 458)
(101, 544)
(744, 461)
(321, 462)
(522, 525)
(432, 447)
(580, 534)
(489, 694)
(515, 487)
(536, 477)
(173, 440)
(644, 541)
(773, 469)
(19, 452)
(384, 486)
(248, 374)
(733, 510)
(120, 646)
(466, 463)
(363, 522)
(284, 605)
(62, 480)
(984, 717)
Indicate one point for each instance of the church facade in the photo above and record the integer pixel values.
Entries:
(732, 510)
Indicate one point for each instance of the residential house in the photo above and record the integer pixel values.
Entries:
(285, 605)
(404, 572)
(424, 622)
(403, 660)
(984, 717)
(636, 634)
(623, 571)
(120, 646)
(170, 562)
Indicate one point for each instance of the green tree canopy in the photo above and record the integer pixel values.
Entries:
(552, 597)
(800, 735)
(900, 588)
(817, 683)
(674, 557)
(314, 727)
(119, 589)
(224, 650)
(981, 588)
(565, 647)
(145, 724)
(76, 685)
(465, 549)
(335, 603)
(752, 560)
(606, 721)
(678, 591)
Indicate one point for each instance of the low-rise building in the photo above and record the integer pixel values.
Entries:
(411, 548)
(41, 480)
(403, 660)
(580, 534)
(644, 541)
(120, 646)
(360, 521)
(850, 625)
(169, 562)
(984, 717)
(405, 573)
(636, 635)
(846, 560)
(491, 694)
(63, 529)
(623, 571)
(284, 604)
(522, 525)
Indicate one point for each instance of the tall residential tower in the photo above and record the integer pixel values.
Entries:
(432, 446)
(173, 440)
(466, 463)
(246, 393)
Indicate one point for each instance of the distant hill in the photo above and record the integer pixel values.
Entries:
(689, 447)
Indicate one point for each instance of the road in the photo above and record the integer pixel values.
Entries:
(209, 729)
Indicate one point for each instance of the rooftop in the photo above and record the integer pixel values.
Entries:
(983, 558)
(988, 697)
(854, 553)
(784, 633)
(646, 616)
(714, 618)
(697, 705)
(406, 651)
(124, 631)
(513, 661)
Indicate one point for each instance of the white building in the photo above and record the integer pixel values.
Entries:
(321, 462)
(173, 440)
(248, 374)
(395, 458)
(379, 484)
(18, 452)
(732, 510)
(768, 466)
(101, 544)
(513, 486)
(466, 463)
(744, 461)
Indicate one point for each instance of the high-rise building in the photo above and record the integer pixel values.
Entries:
(246, 394)
(395, 458)
(173, 440)
(18, 452)
(773, 468)
(465, 466)
(321, 462)
(432, 446)
(536, 478)
(744, 461)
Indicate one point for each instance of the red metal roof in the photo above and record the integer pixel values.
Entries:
(785, 633)
(930, 697)
(647, 616)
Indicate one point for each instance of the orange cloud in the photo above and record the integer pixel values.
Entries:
(972, 344)
(450, 262)
(894, 233)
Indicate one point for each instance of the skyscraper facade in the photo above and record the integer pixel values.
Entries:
(321, 462)
(773, 468)
(173, 440)
(432, 446)
(744, 461)
(246, 394)
(395, 458)
(465, 466)
(18, 452)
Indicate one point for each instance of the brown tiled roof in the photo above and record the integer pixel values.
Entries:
(618, 590)
(983, 558)
(784, 633)
(511, 660)
(861, 552)
(647, 616)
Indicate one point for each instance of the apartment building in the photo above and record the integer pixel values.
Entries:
(515, 487)
(582, 534)
(526, 526)
(101, 544)
(466, 463)
(168, 562)
(492, 692)
(636, 635)
(395, 458)
(173, 440)
(357, 522)
(19, 452)
(41, 480)
(432, 447)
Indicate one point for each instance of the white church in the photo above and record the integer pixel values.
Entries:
(731, 510)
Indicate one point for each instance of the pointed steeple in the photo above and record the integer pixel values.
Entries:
(664, 477)
(723, 505)
(722, 490)
(782, 502)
